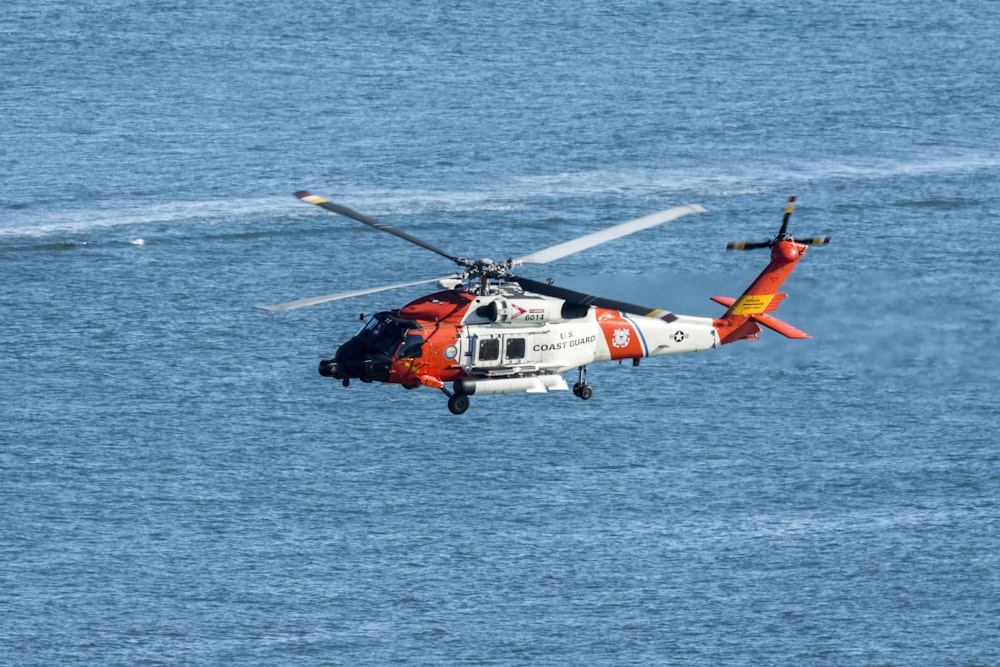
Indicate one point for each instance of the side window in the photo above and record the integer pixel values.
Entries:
(515, 348)
(411, 347)
(489, 349)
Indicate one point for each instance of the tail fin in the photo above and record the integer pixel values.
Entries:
(744, 315)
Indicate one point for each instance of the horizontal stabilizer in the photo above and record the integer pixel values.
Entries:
(726, 301)
(784, 328)
(769, 321)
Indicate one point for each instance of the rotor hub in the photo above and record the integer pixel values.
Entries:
(786, 251)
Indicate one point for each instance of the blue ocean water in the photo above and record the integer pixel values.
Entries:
(179, 486)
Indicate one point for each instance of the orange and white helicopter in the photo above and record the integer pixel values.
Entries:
(493, 332)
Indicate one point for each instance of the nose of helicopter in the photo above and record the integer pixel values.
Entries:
(328, 368)
(354, 361)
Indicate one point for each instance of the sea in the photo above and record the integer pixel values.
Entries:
(179, 486)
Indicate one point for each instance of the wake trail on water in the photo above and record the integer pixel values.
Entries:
(681, 184)
(52, 223)
(519, 193)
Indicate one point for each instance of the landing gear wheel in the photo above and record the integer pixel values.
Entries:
(458, 403)
(581, 388)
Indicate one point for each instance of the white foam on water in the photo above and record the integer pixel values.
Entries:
(509, 196)
(77, 222)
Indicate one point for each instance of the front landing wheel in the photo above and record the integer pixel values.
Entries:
(458, 403)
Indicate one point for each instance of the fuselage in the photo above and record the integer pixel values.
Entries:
(454, 334)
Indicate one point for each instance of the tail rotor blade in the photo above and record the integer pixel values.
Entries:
(788, 214)
(748, 245)
(782, 235)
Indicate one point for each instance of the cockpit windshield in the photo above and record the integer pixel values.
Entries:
(384, 332)
(381, 334)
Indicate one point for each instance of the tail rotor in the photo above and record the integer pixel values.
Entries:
(782, 235)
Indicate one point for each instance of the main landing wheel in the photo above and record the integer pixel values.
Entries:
(581, 388)
(458, 403)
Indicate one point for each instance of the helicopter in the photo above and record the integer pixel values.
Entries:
(490, 331)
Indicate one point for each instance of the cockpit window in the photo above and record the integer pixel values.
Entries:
(412, 347)
(382, 334)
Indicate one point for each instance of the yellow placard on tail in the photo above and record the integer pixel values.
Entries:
(751, 304)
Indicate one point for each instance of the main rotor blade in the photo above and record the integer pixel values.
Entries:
(590, 240)
(313, 301)
(583, 299)
(310, 198)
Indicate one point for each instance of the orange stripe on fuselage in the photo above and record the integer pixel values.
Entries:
(624, 340)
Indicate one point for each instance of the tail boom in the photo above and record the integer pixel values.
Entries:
(744, 315)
